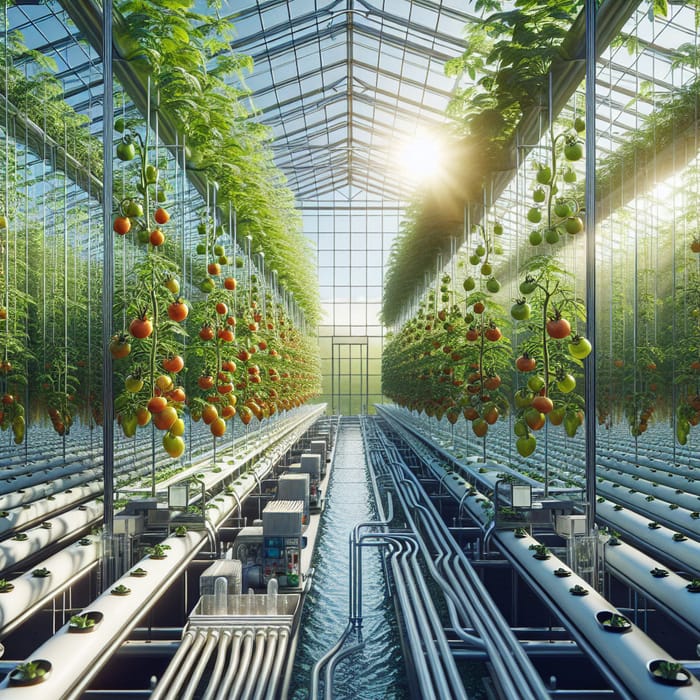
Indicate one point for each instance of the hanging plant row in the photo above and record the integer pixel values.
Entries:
(228, 350)
(453, 356)
(200, 85)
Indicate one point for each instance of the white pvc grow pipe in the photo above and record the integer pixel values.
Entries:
(686, 553)
(626, 654)
(13, 552)
(669, 590)
(30, 592)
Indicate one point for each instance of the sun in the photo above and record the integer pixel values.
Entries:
(421, 158)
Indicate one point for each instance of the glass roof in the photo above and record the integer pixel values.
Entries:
(342, 83)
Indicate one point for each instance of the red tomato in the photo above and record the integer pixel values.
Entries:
(141, 327)
(178, 310)
(161, 216)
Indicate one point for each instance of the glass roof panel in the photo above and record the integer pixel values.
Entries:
(349, 76)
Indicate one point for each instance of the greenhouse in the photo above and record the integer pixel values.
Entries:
(350, 348)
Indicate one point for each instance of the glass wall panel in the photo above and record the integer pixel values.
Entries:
(360, 232)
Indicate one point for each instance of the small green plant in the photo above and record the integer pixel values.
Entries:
(669, 669)
(694, 586)
(43, 572)
(180, 531)
(653, 525)
(679, 537)
(121, 589)
(578, 590)
(157, 551)
(541, 551)
(29, 670)
(81, 621)
(617, 621)
(139, 572)
(520, 532)
(5, 585)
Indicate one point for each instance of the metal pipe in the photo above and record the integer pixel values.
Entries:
(173, 666)
(270, 655)
(212, 641)
(330, 668)
(232, 666)
(316, 670)
(253, 669)
(280, 660)
(224, 644)
(183, 669)
(240, 678)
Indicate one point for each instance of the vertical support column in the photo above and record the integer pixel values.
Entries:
(590, 200)
(107, 293)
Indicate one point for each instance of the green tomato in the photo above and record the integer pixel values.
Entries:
(129, 424)
(161, 196)
(539, 195)
(521, 310)
(201, 248)
(574, 225)
(492, 284)
(219, 250)
(520, 428)
(571, 423)
(535, 237)
(18, 429)
(497, 230)
(474, 259)
(134, 209)
(173, 284)
(143, 236)
(151, 174)
(552, 236)
(126, 151)
(580, 347)
(535, 383)
(224, 260)
(522, 398)
(469, 284)
(486, 269)
(528, 285)
(544, 175)
(573, 149)
(526, 445)
(534, 215)
(133, 384)
(480, 250)
(569, 175)
(580, 124)
(207, 285)
(562, 209)
(119, 125)
(566, 384)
